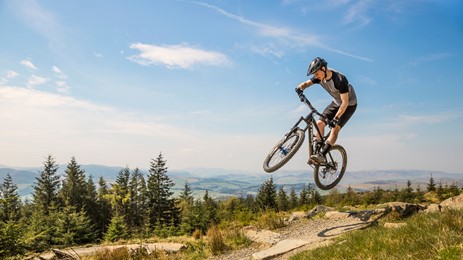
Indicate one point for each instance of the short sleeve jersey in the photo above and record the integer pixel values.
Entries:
(337, 85)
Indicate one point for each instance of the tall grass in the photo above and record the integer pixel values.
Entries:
(426, 236)
(215, 240)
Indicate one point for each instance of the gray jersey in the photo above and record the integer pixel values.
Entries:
(337, 85)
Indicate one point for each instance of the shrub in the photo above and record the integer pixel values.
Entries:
(215, 240)
(270, 220)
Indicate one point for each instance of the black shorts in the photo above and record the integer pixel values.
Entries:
(331, 110)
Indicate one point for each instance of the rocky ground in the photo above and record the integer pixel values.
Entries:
(300, 235)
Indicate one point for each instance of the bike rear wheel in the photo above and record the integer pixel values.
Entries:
(284, 150)
(329, 174)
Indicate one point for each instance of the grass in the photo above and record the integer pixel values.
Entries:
(426, 236)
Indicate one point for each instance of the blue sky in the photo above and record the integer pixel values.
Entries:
(211, 83)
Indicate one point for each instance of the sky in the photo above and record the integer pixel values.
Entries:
(210, 84)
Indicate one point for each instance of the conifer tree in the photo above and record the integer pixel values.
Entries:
(91, 205)
(454, 190)
(282, 200)
(120, 193)
(186, 193)
(161, 206)
(407, 193)
(431, 185)
(137, 209)
(10, 202)
(11, 230)
(351, 196)
(304, 196)
(293, 201)
(266, 195)
(46, 187)
(185, 201)
(209, 209)
(74, 188)
(104, 207)
(440, 191)
(419, 195)
(315, 197)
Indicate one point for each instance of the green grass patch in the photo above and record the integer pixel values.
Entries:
(426, 236)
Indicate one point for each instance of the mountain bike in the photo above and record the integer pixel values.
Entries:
(326, 175)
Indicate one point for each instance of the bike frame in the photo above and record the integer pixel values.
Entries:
(311, 124)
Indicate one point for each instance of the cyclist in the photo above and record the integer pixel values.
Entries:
(339, 111)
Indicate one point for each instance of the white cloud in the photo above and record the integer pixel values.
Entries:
(36, 80)
(28, 64)
(176, 56)
(11, 74)
(62, 87)
(58, 72)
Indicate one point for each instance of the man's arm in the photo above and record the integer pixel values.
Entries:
(305, 84)
(344, 104)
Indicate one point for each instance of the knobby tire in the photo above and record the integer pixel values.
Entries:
(284, 150)
(328, 175)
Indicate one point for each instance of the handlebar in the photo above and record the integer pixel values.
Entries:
(304, 100)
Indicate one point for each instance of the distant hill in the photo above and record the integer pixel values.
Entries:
(220, 182)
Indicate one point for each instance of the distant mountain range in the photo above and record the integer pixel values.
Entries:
(221, 182)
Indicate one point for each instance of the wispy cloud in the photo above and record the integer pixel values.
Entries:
(11, 74)
(287, 35)
(429, 58)
(28, 64)
(35, 80)
(40, 19)
(358, 13)
(176, 56)
(58, 73)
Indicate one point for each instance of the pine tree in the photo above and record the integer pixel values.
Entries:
(407, 193)
(103, 206)
(185, 201)
(431, 185)
(120, 193)
(10, 201)
(282, 200)
(161, 206)
(90, 202)
(419, 195)
(137, 207)
(73, 227)
(11, 230)
(293, 200)
(46, 188)
(266, 195)
(74, 188)
(209, 210)
(351, 196)
(454, 190)
(315, 197)
(186, 193)
(440, 191)
(304, 196)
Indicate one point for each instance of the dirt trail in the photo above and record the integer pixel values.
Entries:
(300, 235)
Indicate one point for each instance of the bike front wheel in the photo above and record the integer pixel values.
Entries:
(284, 150)
(329, 174)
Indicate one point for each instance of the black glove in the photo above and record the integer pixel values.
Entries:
(299, 91)
(333, 122)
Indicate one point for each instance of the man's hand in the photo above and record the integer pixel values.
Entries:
(333, 122)
(298, 90)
